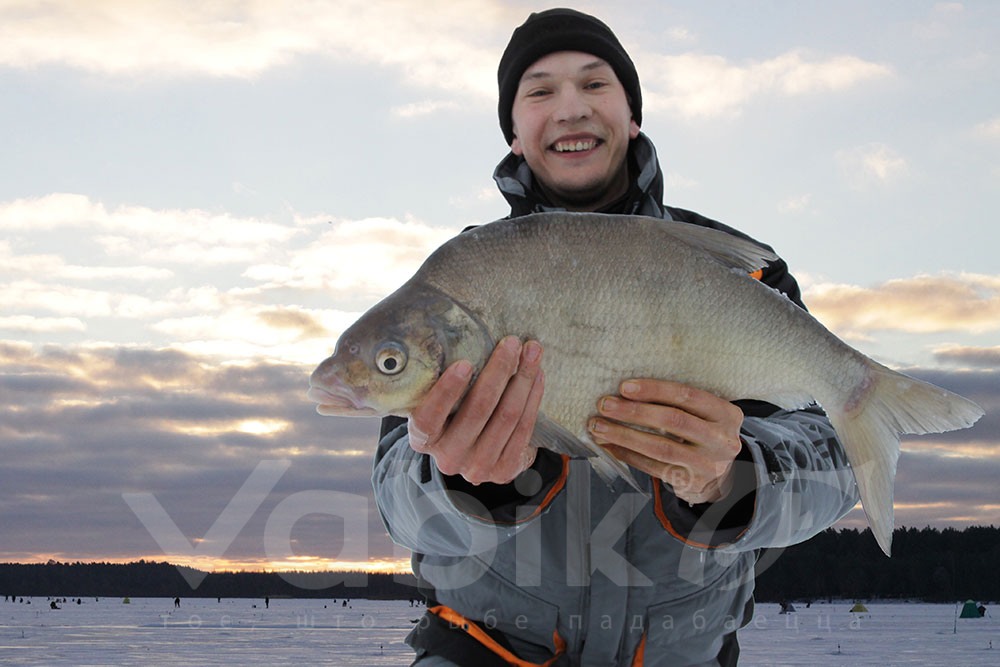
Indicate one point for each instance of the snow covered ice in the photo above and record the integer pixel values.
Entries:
(204, 631)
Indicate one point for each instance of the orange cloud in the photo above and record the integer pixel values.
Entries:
(967, 303)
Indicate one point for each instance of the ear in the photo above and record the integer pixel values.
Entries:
(515, 147)
(633, 129)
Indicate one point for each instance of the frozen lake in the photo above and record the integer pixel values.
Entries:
(151, 631)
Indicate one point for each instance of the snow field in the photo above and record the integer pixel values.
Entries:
(370, 633)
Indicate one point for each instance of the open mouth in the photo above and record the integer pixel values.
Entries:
(575, 145)
(339, 401)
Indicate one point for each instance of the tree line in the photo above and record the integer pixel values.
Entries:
(927, 564)
(152, 579)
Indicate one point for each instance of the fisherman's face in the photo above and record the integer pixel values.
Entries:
(572, 124)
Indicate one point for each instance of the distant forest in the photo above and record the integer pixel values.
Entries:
(927, 564)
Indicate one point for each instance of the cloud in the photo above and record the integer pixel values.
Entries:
(67, 300)
(795, 204)
(207, 283)
(176, 236)
(987, 357)
(673, 181)
(696, 85)
(989, 129)
(966, 303)
(939, 24)
(871, 164)
(424, 108)
(304, 324)
(486, 194)
(185, 428)
(680, 35)
(436, 43)
(52, 266)
(245, 331)
(28, 324)
(190, 431)
(354, 259)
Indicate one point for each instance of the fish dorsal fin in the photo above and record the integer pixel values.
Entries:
(727, 249)
(730, 250)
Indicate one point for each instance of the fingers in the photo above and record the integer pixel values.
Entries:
(690, 484)
(488, 438)
(684, 436)
(427, 420)
(511, 420)
(691, 400)
(678, 414)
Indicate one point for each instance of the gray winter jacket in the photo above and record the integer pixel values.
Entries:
(560, 569)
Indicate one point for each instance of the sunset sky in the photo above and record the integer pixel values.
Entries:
(198, 197)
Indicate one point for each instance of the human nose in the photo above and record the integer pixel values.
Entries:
(572, 106)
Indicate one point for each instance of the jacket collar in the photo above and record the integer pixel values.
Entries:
(645, 195)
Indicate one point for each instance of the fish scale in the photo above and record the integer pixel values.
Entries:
(615, 297)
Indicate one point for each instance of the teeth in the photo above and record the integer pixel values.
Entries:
(570, 146)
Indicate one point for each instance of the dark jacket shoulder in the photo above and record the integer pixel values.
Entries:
(775, 275)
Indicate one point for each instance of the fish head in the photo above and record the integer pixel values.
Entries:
(386, 362)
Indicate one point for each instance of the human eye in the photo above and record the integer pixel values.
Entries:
(538, 92)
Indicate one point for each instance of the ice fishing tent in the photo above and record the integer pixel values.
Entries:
(970, 610)
(859, 609)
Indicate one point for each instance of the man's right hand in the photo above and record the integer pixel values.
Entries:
(488, 438)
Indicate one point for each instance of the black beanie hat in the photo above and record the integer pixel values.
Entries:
(561, 30)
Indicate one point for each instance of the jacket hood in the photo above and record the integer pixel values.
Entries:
(645, 196)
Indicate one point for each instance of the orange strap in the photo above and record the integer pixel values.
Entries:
(665, 521)
(554, 491)
(473, 630)
(661, 514)
(640, 653)
(557, 486)
(758, 274)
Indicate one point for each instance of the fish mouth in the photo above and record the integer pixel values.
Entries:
(338, 401)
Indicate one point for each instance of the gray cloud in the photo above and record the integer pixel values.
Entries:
(305, 324)
(985, 357)
(82, 426)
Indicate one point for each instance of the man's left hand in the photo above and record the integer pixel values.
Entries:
(686, 437)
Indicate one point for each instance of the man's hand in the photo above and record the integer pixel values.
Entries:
(684, 436)
(488, 438)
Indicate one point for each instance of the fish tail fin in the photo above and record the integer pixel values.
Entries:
(550, 435)
(886, 405)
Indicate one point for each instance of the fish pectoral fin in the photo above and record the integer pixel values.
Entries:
(550, 435)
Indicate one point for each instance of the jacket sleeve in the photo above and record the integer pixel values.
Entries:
(429, 512)
(803, 480)
(792, 480)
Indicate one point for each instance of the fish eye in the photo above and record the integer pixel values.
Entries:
(390, 358)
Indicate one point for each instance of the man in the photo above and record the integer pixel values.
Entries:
(528, 559)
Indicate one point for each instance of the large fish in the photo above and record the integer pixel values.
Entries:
(615, 297)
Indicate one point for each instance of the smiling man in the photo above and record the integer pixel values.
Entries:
(572, 123)
(525, 557)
